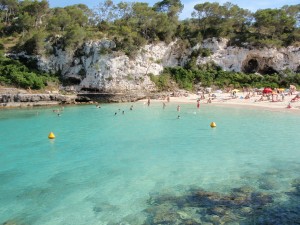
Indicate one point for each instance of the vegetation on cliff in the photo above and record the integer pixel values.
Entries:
(209, 75)
(14, 73)
(35, 28)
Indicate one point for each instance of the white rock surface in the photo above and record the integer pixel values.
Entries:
(95, 66)
(111, 72)
(235, 59)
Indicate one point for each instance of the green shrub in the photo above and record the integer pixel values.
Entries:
(208, 76)
(12, 72)
(163, 82)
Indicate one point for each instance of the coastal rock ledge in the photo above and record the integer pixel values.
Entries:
(27, 99)
(19, 100)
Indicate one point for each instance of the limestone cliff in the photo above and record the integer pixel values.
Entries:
(96, 67)
(251, 60)
(93, 68)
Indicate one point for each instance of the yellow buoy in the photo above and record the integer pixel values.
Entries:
(213, 124)
(51, 135)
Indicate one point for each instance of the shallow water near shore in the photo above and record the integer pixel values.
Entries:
(148, 167)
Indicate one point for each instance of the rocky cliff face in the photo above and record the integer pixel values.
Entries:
(249, 60)
(92, 68)
(96, 67)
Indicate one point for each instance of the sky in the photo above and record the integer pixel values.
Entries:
(252, 5)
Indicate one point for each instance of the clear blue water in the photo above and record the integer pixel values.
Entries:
(105, 169)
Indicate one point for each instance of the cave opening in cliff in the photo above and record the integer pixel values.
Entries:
(72, 81)
(92, 90)
(267, 70)
(251, 66)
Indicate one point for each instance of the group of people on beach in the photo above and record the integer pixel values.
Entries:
(269, 95)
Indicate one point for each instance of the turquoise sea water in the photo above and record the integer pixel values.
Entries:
(148, 167)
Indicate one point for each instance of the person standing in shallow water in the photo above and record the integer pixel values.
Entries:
(178, 108)
(198, 104)
(148, 103)
(164, 105)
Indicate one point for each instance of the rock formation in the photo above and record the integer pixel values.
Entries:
(26, 99)
(250, 60)
(96, 67)
(92, 68)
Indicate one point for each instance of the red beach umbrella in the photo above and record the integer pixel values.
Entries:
(267, 91)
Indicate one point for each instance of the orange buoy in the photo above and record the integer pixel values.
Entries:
(51, 135)
(213, 124)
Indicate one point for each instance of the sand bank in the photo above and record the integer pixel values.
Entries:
(226, 99)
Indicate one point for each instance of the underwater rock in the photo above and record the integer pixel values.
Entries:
(246, 210)
(165, 218)
(204, 198)
(213, 219)
(296, 186)
(272, 171)
(267, 184)
(243, 189)
(261, 199)
(191, 222)
(97, 209)
(218, 210)
(183, 215)
(131, 219)
(198, 206)
(9, 223)
(12, 222)
(105, 206)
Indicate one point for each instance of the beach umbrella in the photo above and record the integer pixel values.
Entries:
(219, 91)
(267, 91)
(281, 89)
(235, 90)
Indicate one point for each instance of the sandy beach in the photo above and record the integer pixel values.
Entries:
(226, 99)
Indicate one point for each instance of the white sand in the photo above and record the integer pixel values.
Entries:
(226, 99)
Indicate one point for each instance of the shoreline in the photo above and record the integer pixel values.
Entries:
(24, 100)
(224, 99)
